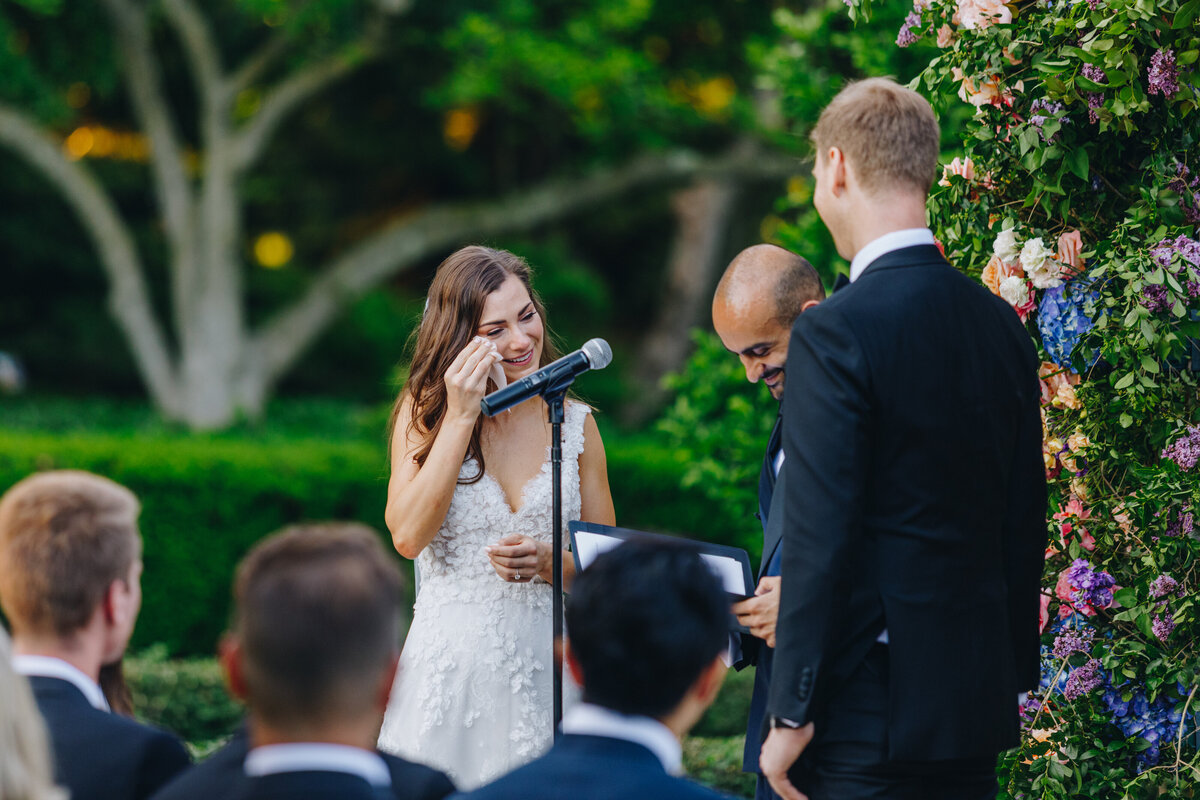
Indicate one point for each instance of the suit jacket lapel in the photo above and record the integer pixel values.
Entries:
(766, 476)
(773, 533)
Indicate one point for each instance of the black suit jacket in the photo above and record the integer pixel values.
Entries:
(916, 501)
(755, 650)
(221, 774)
(313, 785)
(103, 756)
(593, 768)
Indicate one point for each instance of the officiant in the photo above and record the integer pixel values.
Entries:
(758, 298)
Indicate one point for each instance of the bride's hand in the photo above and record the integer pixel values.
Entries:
(466, 379)
(518, 558)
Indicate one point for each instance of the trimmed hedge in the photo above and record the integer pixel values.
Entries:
(206, 501)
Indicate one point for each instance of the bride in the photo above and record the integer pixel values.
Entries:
(469, 499)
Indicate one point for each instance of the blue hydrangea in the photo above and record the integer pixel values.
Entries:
(1064, 316)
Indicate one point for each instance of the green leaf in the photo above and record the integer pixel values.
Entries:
(1150, 365)
(1077, 161)
(1147, 331)
(1186, 13)
(1127, 596)
(1125, 382)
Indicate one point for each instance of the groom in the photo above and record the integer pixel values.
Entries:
(914, 514)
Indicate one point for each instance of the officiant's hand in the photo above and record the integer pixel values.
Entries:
(761, 612)
(780, 751)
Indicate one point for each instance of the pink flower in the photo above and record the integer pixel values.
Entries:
(995, 272)
(1058, 385)
(945, 36)
(964, 168)
(986, 93)
(981, 14)
(1070, 245)
(1044, 612)
(1074, 510)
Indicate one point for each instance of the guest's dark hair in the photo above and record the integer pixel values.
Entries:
(644, 621)
(317, 613)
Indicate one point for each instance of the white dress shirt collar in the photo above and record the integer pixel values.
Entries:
(591, 720)
(50, 667)
(318, 757)
(896, 240)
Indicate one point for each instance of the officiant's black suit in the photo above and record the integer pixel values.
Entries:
(99, 755)
(915, 502)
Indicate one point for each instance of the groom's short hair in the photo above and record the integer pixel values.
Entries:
(316, 613)
(644, 621)
(888, 134)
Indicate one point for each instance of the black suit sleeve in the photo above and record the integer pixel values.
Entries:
(1025, 535)
(827, 418)
(163, 759)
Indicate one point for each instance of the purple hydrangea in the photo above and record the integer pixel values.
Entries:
(1073, 640)
(1163, 625)
(1185, 451)
(1155, 297)
(1083, 680)
(1094, 74)
(1182, 524)
(906, 37)
(1155, 721)
(1093, 587)
(1163, 75)
(1185, 268)
(1064, 317)
(1095, 101)
(1162, 586)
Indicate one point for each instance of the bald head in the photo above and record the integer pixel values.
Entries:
(758, 298)
(766, 279)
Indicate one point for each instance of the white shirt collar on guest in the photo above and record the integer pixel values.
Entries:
(318, 757)
(592, 720)
(896, 240)
(50, 667)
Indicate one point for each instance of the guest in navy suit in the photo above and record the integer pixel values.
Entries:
(915, 507)
(313, 653)
(648, 624)
(757, 300)
(70, 584)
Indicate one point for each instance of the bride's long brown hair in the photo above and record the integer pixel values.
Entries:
(452, 315)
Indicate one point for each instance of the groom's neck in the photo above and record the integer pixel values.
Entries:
(879, 215)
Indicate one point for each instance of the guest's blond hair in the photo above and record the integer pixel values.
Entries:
(65, 537)
(888, 134)
(25, 772)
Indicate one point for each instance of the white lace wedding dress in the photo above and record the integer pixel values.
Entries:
(473, 695)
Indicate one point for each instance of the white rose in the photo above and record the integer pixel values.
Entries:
(1038, 262)
(1014, 290)
(1006, 247)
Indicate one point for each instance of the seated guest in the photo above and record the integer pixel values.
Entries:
(647, 626)
(222, 774)
(313, 653)
(70, 584)
(24, 754)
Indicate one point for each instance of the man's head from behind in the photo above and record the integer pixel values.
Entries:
(876, 152)
(758, 298)
(70, 562)
(647, 623)
(316, 630)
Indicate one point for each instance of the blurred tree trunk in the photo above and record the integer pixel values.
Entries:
(702, 213)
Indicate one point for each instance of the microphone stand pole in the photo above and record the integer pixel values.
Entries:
(555, 406)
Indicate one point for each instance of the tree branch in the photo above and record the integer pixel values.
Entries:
(284, 338)
(128, 297)
(258, 63)
(204, 57)
(294, 90)
(144, 80)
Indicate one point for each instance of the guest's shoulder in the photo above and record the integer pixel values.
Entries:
(421, 782)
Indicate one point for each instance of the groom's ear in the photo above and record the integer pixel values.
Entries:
(838, 170)
(572, 662)
(230, 656)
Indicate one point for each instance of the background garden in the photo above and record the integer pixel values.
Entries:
(220, 220)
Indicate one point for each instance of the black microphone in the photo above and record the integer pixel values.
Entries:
(595, 354)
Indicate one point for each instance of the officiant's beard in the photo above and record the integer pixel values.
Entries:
(776, 388)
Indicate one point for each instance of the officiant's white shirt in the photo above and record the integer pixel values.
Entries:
(587, 719)
(896, 240)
